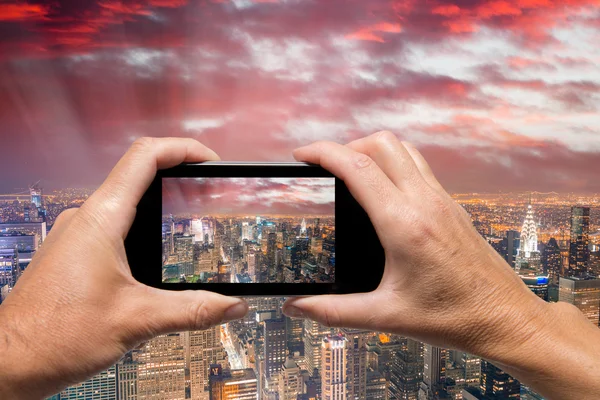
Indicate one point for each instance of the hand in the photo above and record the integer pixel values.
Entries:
(443, 284)
(76, 309)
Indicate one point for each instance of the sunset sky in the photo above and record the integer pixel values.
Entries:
(498, 95)
(249, 196)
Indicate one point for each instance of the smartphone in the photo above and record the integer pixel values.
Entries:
(253, 229)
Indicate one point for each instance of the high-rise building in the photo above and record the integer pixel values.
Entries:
(434, 371)
(538, 285)
(497, 384)
(271, 256)
(161, 369)
(377, 386)
(314, 333)
(406, 371)
(275, 349)
(27, 228)
(127, 377)
(510, 247)
(579, 252)
(356, 349)
(335, 371)
(102, 386)
(583, 294)
(205, 349)
(290, 381)
(237, 384)
(552, 261)
(9, 267)
(294, 332)
(528, 256)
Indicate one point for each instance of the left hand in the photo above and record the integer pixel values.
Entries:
(76, 309)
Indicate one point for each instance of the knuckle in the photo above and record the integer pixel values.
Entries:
(383, 137)
(200, 316)
(142, 144)
(331, 317)
(361, 161)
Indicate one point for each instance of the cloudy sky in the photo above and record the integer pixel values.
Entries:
(249, 196)
(498, 95)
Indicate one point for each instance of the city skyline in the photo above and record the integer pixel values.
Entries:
(249, 196)
(496, 94)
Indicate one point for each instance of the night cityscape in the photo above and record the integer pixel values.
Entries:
(218, 240)
(500, 97)
(551, 240)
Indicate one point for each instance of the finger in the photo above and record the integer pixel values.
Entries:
(116, 200)
(350, 311)
(423, 167)
(371, 188)
(391, 156)
(160, 311)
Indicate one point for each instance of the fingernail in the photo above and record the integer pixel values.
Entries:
(292, 311)
(236, 311)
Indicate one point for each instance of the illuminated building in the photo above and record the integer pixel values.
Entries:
(290, 381)
(356, 348)
(246, 231)
(552, 261)
(510, 246)
(579, 252)
(497, 384)
(406, 371)
(377, 386)
(314, 333)
(275, 349)
(9, 267)
(27, 228)
(161, 369)
(303, 227)
(434, 371)
(538, 285)
(36, 195)
(205, 349)
(294, 331)
(583, 294)
(528, 256)
(127, 377)
(271, 256)
(237, 384)
(102, 386)
(335, 371)
(252, 265)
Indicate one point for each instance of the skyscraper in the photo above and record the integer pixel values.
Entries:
(335, 379)
(497, 384)
(406, 371)
(377, 386)
(552, 261)
(127, 377)
(237, 384)
(9, 267)
(528, 256)
(579, 253)
(434, 370)
(294, 332)
(290, 381)
(271, 256)
(357, 356)
(161, 369)
(583, 294)
(275, 349)
(205, 349)
(510, 247)
(102, 386)
(314, 333)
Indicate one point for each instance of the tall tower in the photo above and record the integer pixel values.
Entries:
(205, 349)
(161, 369)
(357, 356)
(528, 256)
(335, 382)
(552, 261)
(303, 227)
(275, 350)
(314, 333)
(290, 381)
(434, 370)
(579, 253)
(497, 384)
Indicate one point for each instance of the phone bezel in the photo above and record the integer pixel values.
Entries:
(359, 255)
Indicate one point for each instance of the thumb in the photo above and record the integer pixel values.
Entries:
(349, 311)
(165, 311)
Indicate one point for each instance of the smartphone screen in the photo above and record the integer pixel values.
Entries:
(248, 230)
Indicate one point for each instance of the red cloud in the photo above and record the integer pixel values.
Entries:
(22, 12)
(371, 33)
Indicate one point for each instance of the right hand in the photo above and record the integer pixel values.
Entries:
(443, 283)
